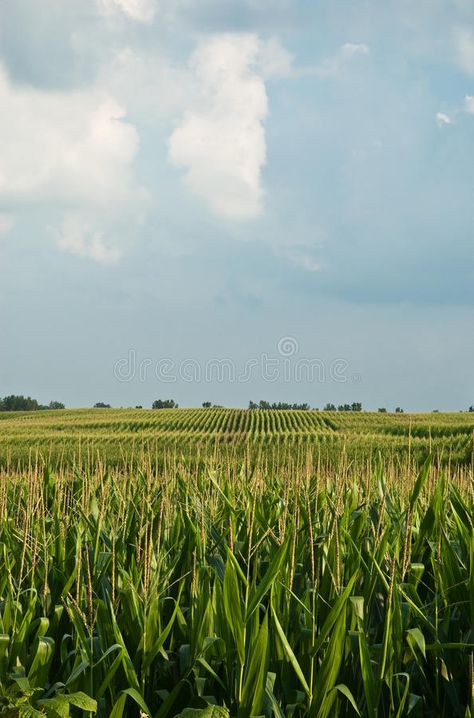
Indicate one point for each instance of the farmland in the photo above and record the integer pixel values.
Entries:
(119, 436)
(221, 562)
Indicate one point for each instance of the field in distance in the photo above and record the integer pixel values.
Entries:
(119, 434)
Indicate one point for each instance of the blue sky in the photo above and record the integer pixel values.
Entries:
(198, 184)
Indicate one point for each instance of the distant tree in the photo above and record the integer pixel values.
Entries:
(471, 408)
(18, 403)
(164, 404)
(206, 404)
(101, 405)
(139, 406)
(398, 410)
(355, 406)
(56, 405)
(382, 410)
(330, 407)
(279, 405)
(435, 411)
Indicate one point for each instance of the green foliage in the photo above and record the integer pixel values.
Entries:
(355, 406)
(208, 712)
(56, 405)
(164, 404)
(278, 406)
(224, 587)
(18, 403)
(19, 698)
(26, 403)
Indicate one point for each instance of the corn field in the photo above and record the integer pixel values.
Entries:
(226, 584)
(118, 435)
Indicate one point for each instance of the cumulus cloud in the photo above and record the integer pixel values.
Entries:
(71, 150)
(155, 89)
(443, 119)
(79, 235)
(274, 59)
(72, 147)
(139, 10)
(464, 41)
(220, 142)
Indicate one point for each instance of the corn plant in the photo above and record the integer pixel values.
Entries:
(237, 586)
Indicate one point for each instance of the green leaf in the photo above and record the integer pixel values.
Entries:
(117, 710)
(253, 691)
(272, 571)
(420, 482)
(324, 696)
(289, 651)
(39, 669)
(368, 677)
(57, 707)
(157, 644)
(113, 668)
(81, 700)
(60, 704)
(334, 613)
(342, 688)
(208, 712)
(416, 639)
(233, 608)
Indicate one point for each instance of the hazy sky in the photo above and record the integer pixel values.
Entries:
(228, 200)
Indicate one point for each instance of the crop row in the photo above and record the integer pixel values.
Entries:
(236, 589)
(120, 434)
(238, 420)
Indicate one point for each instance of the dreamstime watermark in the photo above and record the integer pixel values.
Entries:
(285, 366)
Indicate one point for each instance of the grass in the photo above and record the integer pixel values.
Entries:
(228, 579)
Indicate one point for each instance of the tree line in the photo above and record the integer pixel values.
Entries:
(355, 406)
(278, 405)
(16, 402)
(26, 403)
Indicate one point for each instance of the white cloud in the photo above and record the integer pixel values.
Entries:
(274, 60)
(140, 10)
(221, 139)
(72, 151)
(469, 104)
(443, 119)
(464, 41)
(468, 107)
(79, 235)
(152, 87)
(156, 89)
(69, 147)
(6, 223)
